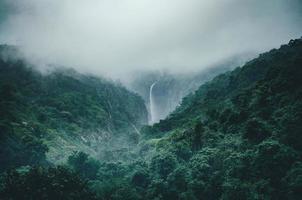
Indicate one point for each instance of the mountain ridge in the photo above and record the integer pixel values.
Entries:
(65, 109)
(237, 137)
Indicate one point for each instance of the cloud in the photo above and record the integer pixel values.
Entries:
(113, 37)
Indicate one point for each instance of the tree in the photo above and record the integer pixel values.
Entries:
(163, 163)
(82, 164)
(44, 183)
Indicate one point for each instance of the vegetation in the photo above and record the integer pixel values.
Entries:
(39, 183)
(237, 137)
(61, 112)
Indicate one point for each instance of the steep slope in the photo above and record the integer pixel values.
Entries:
(239, 134)
(171, 88)
(270, 68)
(237, 137)
(63, 111)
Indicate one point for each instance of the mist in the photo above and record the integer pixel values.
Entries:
(114, 37)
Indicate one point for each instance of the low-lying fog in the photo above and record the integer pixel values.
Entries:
(115, 38)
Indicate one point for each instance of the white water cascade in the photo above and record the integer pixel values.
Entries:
(152, 105)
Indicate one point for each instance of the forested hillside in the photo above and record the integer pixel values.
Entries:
(238, 136)
(60, 112)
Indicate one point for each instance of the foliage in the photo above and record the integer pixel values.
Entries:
(41, 183)
(62, 109)
(237, 137)
(82, 164)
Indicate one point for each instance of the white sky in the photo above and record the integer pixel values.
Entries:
(112, 37)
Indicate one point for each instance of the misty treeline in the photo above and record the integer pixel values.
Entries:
(238, 136)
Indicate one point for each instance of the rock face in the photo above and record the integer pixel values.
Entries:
(168, 89)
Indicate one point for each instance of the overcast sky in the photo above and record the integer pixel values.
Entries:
(111, 37)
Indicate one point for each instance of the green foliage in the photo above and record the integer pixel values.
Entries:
(163, 164)
(115, 190)
(237, 137)
(82, 164)
(255, 131)
(64, 110)
(243, 132)
(41, 183)
(25, 151)
(293, 182)
(140, 178)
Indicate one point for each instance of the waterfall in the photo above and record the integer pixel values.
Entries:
(152, 106)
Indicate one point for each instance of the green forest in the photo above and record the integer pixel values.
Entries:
(66, 135)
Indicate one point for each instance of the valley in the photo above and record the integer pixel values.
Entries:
(237, 135)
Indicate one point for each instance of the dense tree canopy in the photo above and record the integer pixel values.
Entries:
(238, 136)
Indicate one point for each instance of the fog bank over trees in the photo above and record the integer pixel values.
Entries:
(112, 37)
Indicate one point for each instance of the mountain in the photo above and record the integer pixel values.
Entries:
(238, 136)
(61, 112)
(170, 88)
(258, 81)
